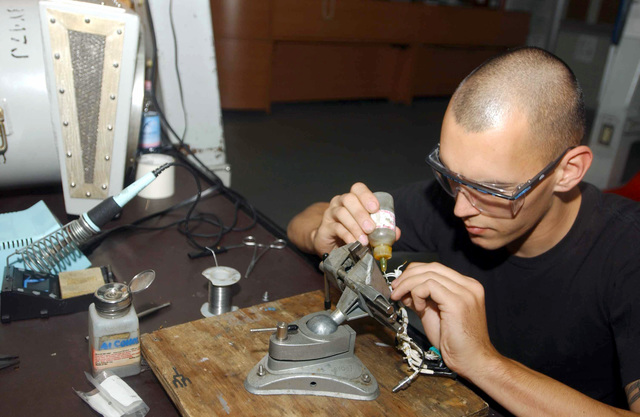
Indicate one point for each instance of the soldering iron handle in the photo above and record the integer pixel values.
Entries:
(110, 207)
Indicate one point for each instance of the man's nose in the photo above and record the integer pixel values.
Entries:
(463, 207)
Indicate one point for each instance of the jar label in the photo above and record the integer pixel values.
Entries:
(384, 219)
(116, 350)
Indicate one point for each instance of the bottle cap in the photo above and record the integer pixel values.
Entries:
(382, 251)
(112, 298)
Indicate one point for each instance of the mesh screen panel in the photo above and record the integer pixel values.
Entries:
(87, 59)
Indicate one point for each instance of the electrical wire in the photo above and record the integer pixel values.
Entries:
(176, 66)
(137, 223)
(167, 128)
(192, 220)
(185, 225)
(415, 356)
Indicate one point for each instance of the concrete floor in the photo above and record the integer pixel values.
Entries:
(303, 153)
(307, 152)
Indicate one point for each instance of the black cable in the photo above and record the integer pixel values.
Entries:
(186, 225)
(210, 174)
(238, 200)
(165, 122)
(91, 244)
(175, 54)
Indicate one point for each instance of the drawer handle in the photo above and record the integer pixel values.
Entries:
(328, 9)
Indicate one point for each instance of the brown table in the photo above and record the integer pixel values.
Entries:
(54, 353)
(216, 354)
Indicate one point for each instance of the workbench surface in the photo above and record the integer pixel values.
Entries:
(54, 352)
(202, 366)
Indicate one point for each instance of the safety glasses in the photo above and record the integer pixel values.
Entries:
(493, 200)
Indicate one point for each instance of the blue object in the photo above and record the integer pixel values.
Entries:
(131, 191)
(21, 228)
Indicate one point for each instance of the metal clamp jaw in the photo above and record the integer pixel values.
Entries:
(365, 292)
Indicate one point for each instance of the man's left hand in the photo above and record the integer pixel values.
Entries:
(451, 307)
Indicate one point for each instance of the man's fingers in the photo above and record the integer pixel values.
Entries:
(422, 285)
(344, 234)
(431, 291)
(354, 209)
(366, 197)
(343, 217)
(418, 292)
(348, 218)
(417, 268)
(334, 235)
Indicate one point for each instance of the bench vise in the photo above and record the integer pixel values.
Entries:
(315, 354)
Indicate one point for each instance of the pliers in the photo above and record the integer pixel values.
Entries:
(8, 360)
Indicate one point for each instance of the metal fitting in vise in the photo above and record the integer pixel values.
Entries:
(365, 291)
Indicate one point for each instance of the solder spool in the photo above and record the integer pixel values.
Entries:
(221, 278)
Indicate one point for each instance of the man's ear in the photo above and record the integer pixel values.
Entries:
(573, 167)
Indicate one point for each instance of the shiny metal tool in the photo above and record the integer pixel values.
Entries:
(251, 241)
(318, 358)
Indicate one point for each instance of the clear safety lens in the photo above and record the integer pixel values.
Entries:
(485, 203)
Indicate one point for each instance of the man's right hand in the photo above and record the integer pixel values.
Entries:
(323, 227)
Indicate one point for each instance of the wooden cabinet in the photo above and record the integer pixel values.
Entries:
(439, 69)
(244, 73)
(331, 71)
(241, 19)
(343, 20)
(300, 50)
(460, 26)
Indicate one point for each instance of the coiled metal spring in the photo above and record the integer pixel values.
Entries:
(58, 248)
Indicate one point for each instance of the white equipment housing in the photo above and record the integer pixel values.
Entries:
(69, 101)
(90, 55)
(188, 79)
(31, 156)
(617, 122)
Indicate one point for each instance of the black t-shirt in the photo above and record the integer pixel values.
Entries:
(572, 313)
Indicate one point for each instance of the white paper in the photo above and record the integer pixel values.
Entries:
(100, 404)
(120, 391)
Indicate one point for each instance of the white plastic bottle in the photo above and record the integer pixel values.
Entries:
(114, 331)
(384, 235)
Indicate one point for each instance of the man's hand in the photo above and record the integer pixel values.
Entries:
(451, 307)
(323, 227)
(452, 310)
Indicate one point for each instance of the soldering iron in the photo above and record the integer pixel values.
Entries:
(46, 253)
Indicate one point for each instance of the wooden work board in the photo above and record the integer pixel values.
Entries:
(203, 364)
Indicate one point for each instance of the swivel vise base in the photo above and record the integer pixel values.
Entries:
(315, 359)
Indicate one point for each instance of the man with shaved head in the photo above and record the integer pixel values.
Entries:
(536, 299)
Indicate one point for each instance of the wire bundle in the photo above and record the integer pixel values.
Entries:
(413, 354)
(192, 220)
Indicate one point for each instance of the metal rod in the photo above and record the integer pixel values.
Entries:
(290, 328)
(152, 310)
